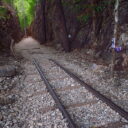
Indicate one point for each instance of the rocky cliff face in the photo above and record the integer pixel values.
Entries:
(9, 29)
(83, 18)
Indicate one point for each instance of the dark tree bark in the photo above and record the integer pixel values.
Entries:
(43, 2)
(39, 25)
(94, 43)
(116, 14)
(62, 24)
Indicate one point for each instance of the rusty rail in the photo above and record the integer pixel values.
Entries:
(110, 103)
(54, 95)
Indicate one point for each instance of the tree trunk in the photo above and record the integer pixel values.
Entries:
(39, 24)
(115, 32)
(62, 23)
(44, 19)
(94, 43)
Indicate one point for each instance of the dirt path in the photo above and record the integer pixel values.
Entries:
(36, 108)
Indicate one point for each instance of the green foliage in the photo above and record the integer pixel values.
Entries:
(25, 10)
(84, 9)
(83, 18)
(3, 12)
(8, 1)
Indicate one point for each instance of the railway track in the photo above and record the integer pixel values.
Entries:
(77, 97)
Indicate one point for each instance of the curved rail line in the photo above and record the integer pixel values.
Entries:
(59, 104)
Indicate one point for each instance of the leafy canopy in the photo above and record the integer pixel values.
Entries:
(2, 12)
(25, 10)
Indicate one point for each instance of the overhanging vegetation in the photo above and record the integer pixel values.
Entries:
(25, 10)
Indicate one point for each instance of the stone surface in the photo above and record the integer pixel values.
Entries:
(35, 108)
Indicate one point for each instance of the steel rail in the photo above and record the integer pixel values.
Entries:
(100, 96)
(61, 107)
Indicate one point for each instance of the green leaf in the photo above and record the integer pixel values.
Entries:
(3, 12)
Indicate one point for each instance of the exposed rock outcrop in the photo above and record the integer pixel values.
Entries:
(9, 28)
(79, 22)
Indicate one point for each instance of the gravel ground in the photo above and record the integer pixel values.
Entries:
(35, 108)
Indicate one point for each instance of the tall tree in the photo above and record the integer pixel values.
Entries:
(43, 3)
(62, 22)
(94, 43)
(116, 15)
(39, 24)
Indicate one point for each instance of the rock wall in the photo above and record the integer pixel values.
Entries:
(80, 26)
(9, 29)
